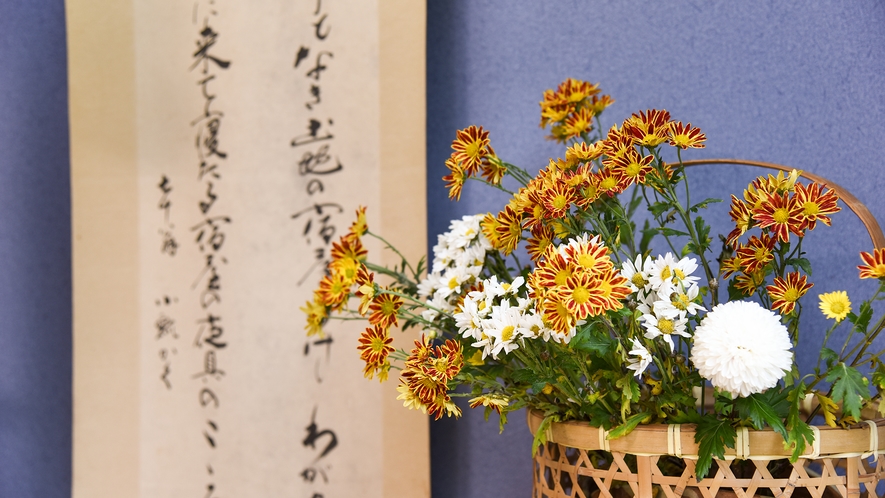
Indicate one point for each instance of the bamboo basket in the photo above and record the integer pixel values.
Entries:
(657, 461)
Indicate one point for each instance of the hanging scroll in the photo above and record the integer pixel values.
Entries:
(249, 137)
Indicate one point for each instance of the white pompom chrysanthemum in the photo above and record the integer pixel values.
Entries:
(742, 348)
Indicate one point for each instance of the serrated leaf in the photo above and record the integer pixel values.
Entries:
(659, 208)
(828, 407)
(758, 408)
(712, 436)
(798, 431)
(703, 204)
(829, 356)
(628, 426)
(541, 434)
(879, 377)
(586, 340)
(800, 263)
(849, 387)
(862, 319)
(669, 232)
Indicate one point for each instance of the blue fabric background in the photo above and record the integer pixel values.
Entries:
(35, 252)
(796, 83)
(787, 82)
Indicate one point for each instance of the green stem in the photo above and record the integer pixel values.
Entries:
(394, 249)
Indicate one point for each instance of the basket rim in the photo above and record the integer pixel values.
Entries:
(679, 440)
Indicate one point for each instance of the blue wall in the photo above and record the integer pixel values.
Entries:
(796, 83)
(35, 252)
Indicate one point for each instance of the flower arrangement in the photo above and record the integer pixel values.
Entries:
(560, 303)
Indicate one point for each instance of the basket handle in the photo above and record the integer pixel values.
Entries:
(850, 200)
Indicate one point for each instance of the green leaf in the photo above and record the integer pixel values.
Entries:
(879, 377)
(669, 232)
(659, 208)
(628, 426)
(760, 409)
(849, 387)
(713, 436)
(829, 356)
(862, 320)
(703, 204)
(798, 431)
(541, 434)
(800, 263)
(586, 340)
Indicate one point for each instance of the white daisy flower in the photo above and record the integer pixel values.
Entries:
(429, 285)
(664, 327)
(667, 273)
(469, 319)
(452, 280)
(503, 288)
(678, 303)
(742, 348)
(643, 358)
(504, 326)
(636, 272)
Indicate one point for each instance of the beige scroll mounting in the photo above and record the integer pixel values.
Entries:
(217, 149)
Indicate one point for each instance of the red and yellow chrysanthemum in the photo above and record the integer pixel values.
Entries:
(757, 253)
(455, 179)
(470, 148)
(784, 292)
(541, 238)
(365, 280)
(874, 266)
(508, 230)
(781, 214)
(374, 347)
(334, 290)
(686, 136)
(383, 310)
(648, 128)
(630, 167)
(749, 283)
(742, 217)
(815, 204)
(359, 226)
(424, 380)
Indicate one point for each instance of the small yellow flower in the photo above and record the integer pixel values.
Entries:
(835, 305)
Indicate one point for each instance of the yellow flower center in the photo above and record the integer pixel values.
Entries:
(633, 169)
(560, 202)
(377, 344)
(453, 283)
(507, 333)
(678, 275)
(666, 326)
(481, 306)
(638, 280)
(666, 273)
(837, 308)
(608, 183)
(562, 276)
(473, 149)
(761, 254)
(681, 140)
(580, 295)
(810, 209)
(506, 287)
(680, 301)
(587, 261)
(791, 295)
(387, 307)
(781, 215)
